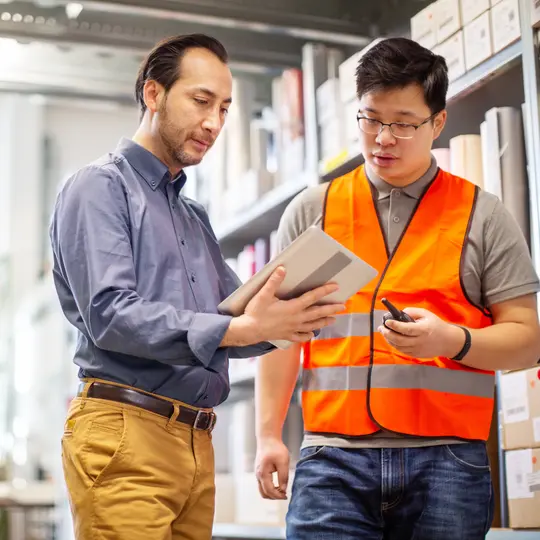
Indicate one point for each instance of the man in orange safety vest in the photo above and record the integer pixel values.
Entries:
(397, 413)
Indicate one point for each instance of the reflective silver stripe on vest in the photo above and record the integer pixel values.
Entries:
(415, 377)
(351, 325)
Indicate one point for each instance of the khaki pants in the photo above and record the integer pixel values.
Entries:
(134, 475)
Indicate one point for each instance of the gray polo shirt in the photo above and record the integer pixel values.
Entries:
(139, 273)
(497, 264)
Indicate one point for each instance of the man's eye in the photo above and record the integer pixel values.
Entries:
(201, 101)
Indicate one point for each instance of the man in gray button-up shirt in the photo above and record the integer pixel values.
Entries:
(139, 273)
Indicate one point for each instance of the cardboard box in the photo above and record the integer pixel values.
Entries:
(535, 12)
(523, 488)
(448, 18)
(470, 9)
(505, 25)
(453, 51)
(477, 37)
(424, 27)
(520, 401)
(329, 104)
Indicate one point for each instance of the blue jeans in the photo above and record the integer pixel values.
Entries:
(432, 493)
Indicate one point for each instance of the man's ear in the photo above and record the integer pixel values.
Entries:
(153, 94)
(438, 123)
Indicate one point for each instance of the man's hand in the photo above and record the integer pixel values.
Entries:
(427, 337)
(272, 456)
(267, 318)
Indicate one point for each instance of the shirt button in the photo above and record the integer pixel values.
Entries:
(193, 278)
(397, 193)
(396, 219)
(183, 242)
(153, 184)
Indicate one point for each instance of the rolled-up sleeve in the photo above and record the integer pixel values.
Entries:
(90, 235)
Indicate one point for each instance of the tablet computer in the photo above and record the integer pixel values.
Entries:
(312, 260)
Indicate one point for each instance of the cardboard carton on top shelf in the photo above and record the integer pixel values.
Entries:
(478, 42)
(424, 26)
(448, 18)
(470, 9)
(505, 24)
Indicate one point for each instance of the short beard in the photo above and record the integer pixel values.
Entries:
(168, 135)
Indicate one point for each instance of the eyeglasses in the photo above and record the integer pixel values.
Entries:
(398, 129)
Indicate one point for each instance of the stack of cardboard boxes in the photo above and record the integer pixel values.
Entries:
(520, 404)
(467, 32)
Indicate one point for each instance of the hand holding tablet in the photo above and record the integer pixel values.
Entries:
(312, 263)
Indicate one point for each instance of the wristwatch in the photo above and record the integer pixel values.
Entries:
(466, 346)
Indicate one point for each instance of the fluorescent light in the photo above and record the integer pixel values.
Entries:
(73, 10)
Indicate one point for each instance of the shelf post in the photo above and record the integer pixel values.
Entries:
(531, 121)
(313, 75)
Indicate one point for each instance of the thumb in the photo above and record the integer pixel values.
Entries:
(273, 283)
(283, 476)
(417, 313)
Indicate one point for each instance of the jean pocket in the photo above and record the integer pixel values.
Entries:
(471, 456)
(308, 453)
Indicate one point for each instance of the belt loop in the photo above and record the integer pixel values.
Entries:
(84, 393)
(174, 415)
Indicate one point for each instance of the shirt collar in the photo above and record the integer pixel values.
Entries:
(151, 169)
(413, 190)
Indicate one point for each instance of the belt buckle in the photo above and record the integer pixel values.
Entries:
(201, 423)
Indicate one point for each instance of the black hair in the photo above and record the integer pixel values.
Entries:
(162, 64)
(398, 62)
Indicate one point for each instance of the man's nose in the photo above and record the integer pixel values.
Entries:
(385, 136)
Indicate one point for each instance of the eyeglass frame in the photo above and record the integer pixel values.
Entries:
(383, 124)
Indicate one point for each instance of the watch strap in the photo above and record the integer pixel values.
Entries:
(466, 346)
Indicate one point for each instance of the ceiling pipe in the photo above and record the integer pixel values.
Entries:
(226, 22)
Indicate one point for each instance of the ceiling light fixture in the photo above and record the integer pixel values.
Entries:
(73, 10)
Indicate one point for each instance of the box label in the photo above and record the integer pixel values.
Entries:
(518, 470)
(534, 481)
(514, 397)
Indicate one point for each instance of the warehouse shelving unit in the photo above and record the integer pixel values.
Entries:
(259, 219)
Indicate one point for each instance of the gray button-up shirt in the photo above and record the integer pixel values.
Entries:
(139, 273)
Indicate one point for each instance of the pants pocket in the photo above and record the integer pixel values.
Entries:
(470, 456)
(103, 444)
(308, 453)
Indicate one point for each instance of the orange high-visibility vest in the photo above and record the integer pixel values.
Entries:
(354, 383)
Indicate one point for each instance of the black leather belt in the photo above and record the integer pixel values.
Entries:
(197, 419)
